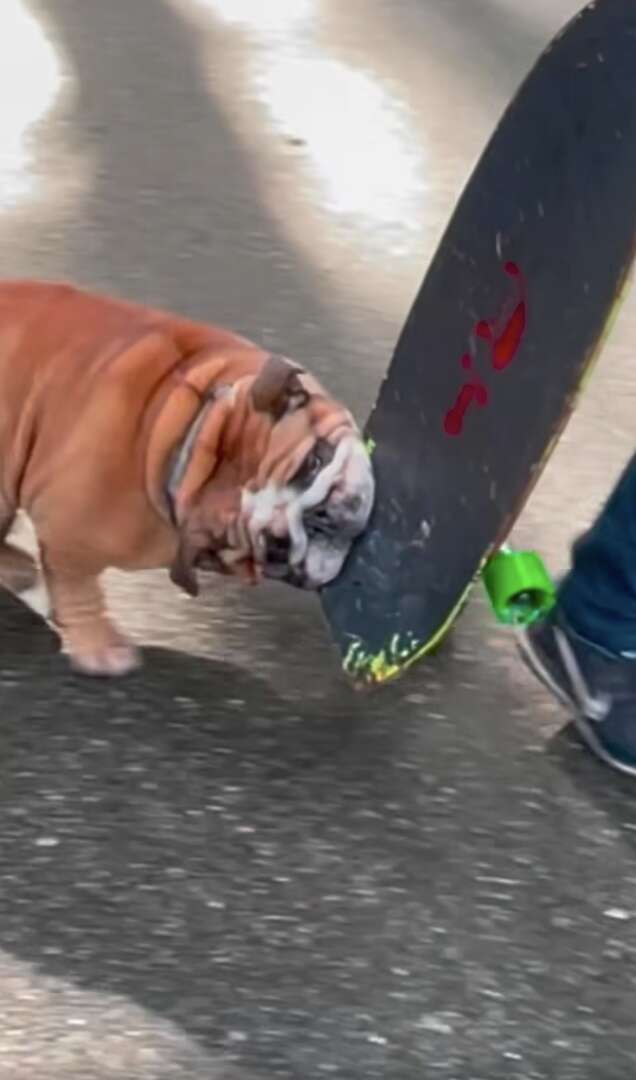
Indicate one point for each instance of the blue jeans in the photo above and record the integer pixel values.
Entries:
(598, 596)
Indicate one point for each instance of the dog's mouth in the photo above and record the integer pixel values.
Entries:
(325, 563)
(328, 533)
(277, 555)
(278, 564)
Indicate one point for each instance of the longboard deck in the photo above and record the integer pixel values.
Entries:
(496, 348)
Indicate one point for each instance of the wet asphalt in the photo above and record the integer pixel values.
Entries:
(230, 864)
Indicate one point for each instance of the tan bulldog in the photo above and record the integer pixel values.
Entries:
(137, 439)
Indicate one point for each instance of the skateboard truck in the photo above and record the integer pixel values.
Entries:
(519, 587)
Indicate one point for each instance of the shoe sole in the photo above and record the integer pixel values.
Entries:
(534, 663)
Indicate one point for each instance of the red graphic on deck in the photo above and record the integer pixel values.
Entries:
(475, 391)
(505, 339)
(504, 335)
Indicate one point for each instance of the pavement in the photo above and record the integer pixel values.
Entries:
(230, 864)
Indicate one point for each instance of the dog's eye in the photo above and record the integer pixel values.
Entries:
(319, 456)
(313, 464)
(309, 469)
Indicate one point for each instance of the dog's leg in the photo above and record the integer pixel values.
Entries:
(18, 570)
(94, 646)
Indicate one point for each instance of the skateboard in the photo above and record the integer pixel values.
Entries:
(514, 309)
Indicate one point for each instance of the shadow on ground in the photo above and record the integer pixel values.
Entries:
(331, 886)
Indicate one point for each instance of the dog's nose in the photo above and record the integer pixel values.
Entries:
(317, 522)
(277, 548)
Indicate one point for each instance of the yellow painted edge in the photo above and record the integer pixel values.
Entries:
(612, 318)
(378, 670)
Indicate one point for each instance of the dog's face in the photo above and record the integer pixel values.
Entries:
(313, 491)
(305, 485)
(302, 529)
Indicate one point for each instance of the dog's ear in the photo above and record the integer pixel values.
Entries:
(182, 571)
(277, 388)
(195, 550)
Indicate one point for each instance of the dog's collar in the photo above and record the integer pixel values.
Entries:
(181, 455)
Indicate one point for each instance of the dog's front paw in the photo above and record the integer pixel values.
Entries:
(109, 660)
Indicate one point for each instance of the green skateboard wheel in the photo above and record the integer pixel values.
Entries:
(518, 587)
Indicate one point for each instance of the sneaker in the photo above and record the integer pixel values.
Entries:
(597, 686)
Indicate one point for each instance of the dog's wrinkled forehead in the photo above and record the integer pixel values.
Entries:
(302, 416)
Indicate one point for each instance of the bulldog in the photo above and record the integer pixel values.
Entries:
(137, 439)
